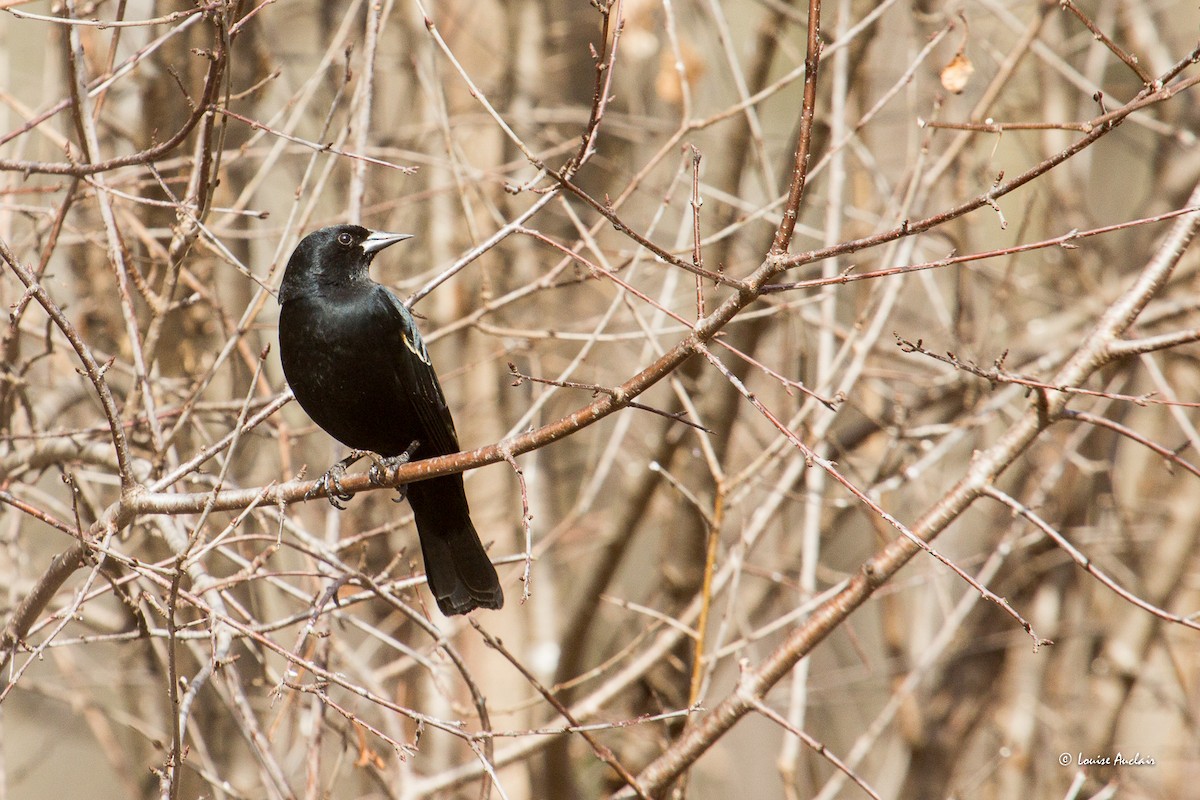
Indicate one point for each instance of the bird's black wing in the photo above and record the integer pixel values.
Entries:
(418, 380)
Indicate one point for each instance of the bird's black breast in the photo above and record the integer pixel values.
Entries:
(359, 370)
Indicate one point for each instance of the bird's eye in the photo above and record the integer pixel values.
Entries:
(345, 239)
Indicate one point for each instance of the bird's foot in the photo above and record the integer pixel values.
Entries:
(382, 469)
(331, 482)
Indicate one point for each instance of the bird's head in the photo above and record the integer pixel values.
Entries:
(337, 255)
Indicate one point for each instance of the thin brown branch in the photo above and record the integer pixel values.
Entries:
(1100, 127)
(808, 111)
(985, 467)
(1066, 241)
(1086, 563)
(95, 372)
(601, 750)
(816, 746)
(1102, 37)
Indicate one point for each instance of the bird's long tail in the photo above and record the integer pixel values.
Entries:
(457, 568)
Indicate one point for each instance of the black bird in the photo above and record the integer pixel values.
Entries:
(356, 362)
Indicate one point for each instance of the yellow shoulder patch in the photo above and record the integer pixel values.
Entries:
(417, 350)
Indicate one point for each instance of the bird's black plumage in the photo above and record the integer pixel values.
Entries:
(356, 363)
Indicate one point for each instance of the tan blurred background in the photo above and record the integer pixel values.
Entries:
(329, 112)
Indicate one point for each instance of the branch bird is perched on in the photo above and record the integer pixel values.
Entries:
(356, 363)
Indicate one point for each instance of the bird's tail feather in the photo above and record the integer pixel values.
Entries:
(457, 568)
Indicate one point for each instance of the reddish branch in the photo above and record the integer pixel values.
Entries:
(212, 84)
(748, 290)
(985, 468)
(94, 371)
(1100, 127)
(1049, 404)
(812, 60)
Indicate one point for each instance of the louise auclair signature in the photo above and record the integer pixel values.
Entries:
(1117, 759)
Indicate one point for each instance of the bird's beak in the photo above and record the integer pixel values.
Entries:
(381, 239)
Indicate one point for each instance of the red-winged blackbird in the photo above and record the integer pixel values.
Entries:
(356, 363)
